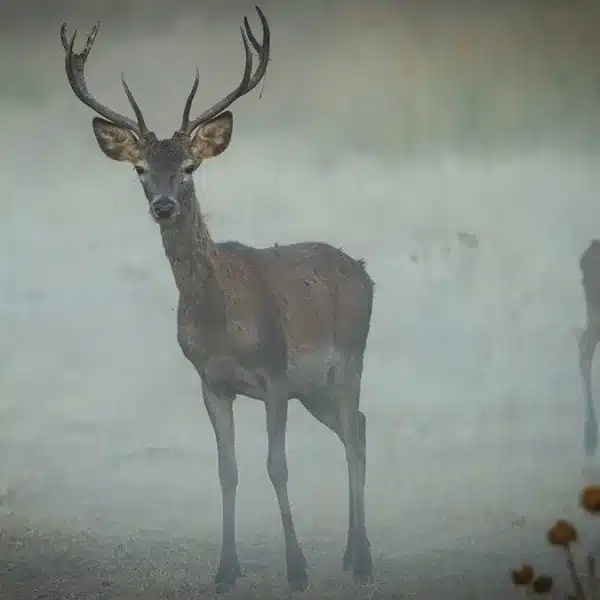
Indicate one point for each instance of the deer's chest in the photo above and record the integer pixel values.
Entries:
(227, 360)
(237, 346)
(201, 340)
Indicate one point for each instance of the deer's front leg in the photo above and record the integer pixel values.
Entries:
(220, 410)
(276, 403)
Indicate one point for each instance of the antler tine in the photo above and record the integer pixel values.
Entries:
(262, 49)
(249, 81)
(89, 42)
(134, 105)
(220, 106)
(74, 67)
(266, 32)
(188, 103)
(63, 36)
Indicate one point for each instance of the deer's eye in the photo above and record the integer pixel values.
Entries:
(189, 169)
(139, 170)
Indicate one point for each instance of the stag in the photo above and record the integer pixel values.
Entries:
(276, 323)
(589, 264)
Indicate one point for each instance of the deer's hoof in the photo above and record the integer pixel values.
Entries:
(227, 576)
(297, 572)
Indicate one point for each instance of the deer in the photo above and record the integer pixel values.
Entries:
(589, 265)
(289, 321)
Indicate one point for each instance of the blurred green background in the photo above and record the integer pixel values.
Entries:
(394, 76)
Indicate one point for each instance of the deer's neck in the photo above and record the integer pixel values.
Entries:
(194, 260)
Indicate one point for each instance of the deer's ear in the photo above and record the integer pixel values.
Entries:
(118, 143)
(213, 137)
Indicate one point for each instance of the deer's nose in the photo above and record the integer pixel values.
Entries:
(164, 207)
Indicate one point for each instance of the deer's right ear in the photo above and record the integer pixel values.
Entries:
(115, 141)
(212, 137)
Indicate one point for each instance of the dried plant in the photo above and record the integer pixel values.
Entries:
(564, 535)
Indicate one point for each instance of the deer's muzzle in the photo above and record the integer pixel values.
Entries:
(164, 208)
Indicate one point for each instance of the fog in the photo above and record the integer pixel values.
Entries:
(455, 148)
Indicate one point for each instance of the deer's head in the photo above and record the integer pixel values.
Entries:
(165, 167)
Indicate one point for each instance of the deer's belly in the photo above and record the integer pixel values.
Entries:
(227, 374)
(308, 370)
(199, 343)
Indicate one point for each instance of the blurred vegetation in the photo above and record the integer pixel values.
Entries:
(388, 76)
(478, 80)
(564, 536)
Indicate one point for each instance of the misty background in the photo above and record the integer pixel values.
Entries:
(454, 146)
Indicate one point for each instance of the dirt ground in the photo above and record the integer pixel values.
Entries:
(50, 564)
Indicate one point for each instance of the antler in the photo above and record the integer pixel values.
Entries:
(248, 82)
(74, 65)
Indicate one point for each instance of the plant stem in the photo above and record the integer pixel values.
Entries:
(591, 561)
(574, 576)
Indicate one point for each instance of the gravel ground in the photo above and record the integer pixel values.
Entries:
(50, 564)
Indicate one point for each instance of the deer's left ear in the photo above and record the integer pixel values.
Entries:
(115, 141)
(213, 137)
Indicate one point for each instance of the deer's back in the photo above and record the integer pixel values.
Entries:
(318, 294)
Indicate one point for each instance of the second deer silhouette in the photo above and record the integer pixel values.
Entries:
(589, 264)
(288, 321)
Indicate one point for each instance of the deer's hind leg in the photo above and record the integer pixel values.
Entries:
(587, 345)
(324, 406)
(346, 382)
